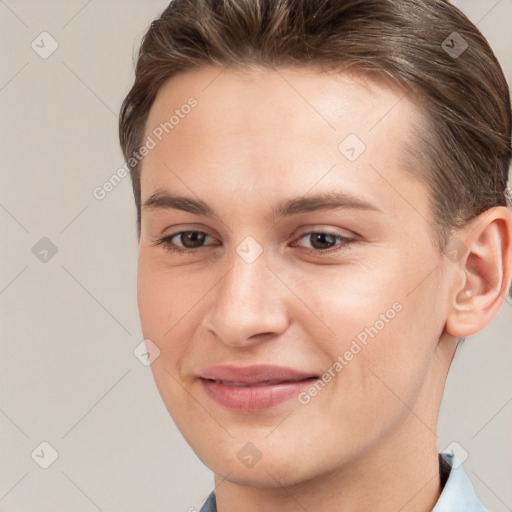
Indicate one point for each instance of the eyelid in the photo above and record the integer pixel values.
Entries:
(185, 228)
(320, 228)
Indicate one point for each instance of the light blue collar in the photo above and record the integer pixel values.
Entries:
(458, 493)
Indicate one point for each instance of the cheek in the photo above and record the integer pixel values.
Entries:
(164, 303)
(152, 298)
(165, 296)
(383, 335)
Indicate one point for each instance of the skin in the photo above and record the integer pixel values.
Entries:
(253, 141)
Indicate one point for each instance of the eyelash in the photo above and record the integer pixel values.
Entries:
(345, 242)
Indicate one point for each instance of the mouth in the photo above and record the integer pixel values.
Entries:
(254, 388)
(258, 384)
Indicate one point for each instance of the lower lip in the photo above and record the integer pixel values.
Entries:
(253, 398)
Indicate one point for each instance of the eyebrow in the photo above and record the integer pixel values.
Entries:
(305, 204)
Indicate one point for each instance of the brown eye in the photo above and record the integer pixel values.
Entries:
(191, 239)
(185, 241)
(322, 240)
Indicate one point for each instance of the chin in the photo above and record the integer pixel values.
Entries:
(269, 474)
(269, 469)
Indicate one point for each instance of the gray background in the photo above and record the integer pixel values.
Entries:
(69, 325)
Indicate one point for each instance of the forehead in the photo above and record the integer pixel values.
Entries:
(286, 127)
(301, 99)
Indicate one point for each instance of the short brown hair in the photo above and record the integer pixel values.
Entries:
(463, 151)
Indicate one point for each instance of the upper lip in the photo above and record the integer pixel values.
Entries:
(254, 374)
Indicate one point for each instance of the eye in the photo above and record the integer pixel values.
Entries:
(184, 241)
(317, 242)
(324, 242)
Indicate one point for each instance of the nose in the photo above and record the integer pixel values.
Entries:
(248, 306)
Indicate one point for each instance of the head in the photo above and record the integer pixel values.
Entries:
(341, 190)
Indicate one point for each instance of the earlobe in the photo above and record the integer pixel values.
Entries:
(482, 275)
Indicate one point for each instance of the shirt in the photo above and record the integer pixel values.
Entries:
(457, 495)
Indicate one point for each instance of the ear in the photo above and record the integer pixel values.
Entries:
(481, 259)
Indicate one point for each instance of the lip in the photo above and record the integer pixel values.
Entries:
(253, 388)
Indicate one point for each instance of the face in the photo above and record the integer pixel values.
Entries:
(287, 272)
